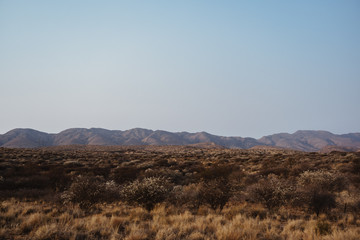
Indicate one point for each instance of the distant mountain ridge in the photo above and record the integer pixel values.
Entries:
(300, 140)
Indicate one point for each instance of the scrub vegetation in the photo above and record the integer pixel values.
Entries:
(178, 192)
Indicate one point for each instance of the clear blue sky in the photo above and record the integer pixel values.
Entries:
(234, 68)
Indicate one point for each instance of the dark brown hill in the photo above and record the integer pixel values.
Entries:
(300, 140)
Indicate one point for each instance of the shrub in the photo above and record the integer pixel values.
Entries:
(58, 178)
(87, 191)
(188, 196)
(33, 182)
(271, 191)
(280, 171)
(125, 174)
(175, 177)
(147, 192)
(316, 189)
(322, 180)
(215, 193)
(111, 191)
(319, 201)
(299, 168)
(216, 172)
(356, 166)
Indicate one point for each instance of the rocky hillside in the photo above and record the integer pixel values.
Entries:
(300, 140)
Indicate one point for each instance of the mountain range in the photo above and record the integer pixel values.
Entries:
(301, 140)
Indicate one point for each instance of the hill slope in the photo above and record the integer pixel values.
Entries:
(311, 140)
(300, 140)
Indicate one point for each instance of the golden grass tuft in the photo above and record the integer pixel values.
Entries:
(138, 232)
(32, 222)
(123, 222)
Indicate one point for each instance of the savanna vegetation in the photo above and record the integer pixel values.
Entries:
(178, 192)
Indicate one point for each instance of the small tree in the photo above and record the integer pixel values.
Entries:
(147, 192)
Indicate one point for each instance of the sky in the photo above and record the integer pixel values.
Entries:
(231, 68)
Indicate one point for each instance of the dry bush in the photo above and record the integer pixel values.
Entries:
(323, 180)
(216, 193)
(251, 179)
(356, 166)
(175, 177)
(316, 189)
(33, 182)
(59, 180)
(321, 201)
(271, 191)
(146, 192)
(124, 174)
(279, 171)
(314, 200)
(186, 196)
(215, 188)
(299, 168)
(216, 172)
(87, 191)
(274, 166)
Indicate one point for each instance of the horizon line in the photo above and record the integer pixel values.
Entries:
(84, 128)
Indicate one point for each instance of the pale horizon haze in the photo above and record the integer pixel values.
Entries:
(230, 68)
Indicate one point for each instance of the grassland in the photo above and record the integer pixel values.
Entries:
(173, 192)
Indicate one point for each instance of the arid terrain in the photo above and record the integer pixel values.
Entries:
(178, 192)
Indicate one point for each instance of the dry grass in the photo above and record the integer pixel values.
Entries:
(119, 221)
